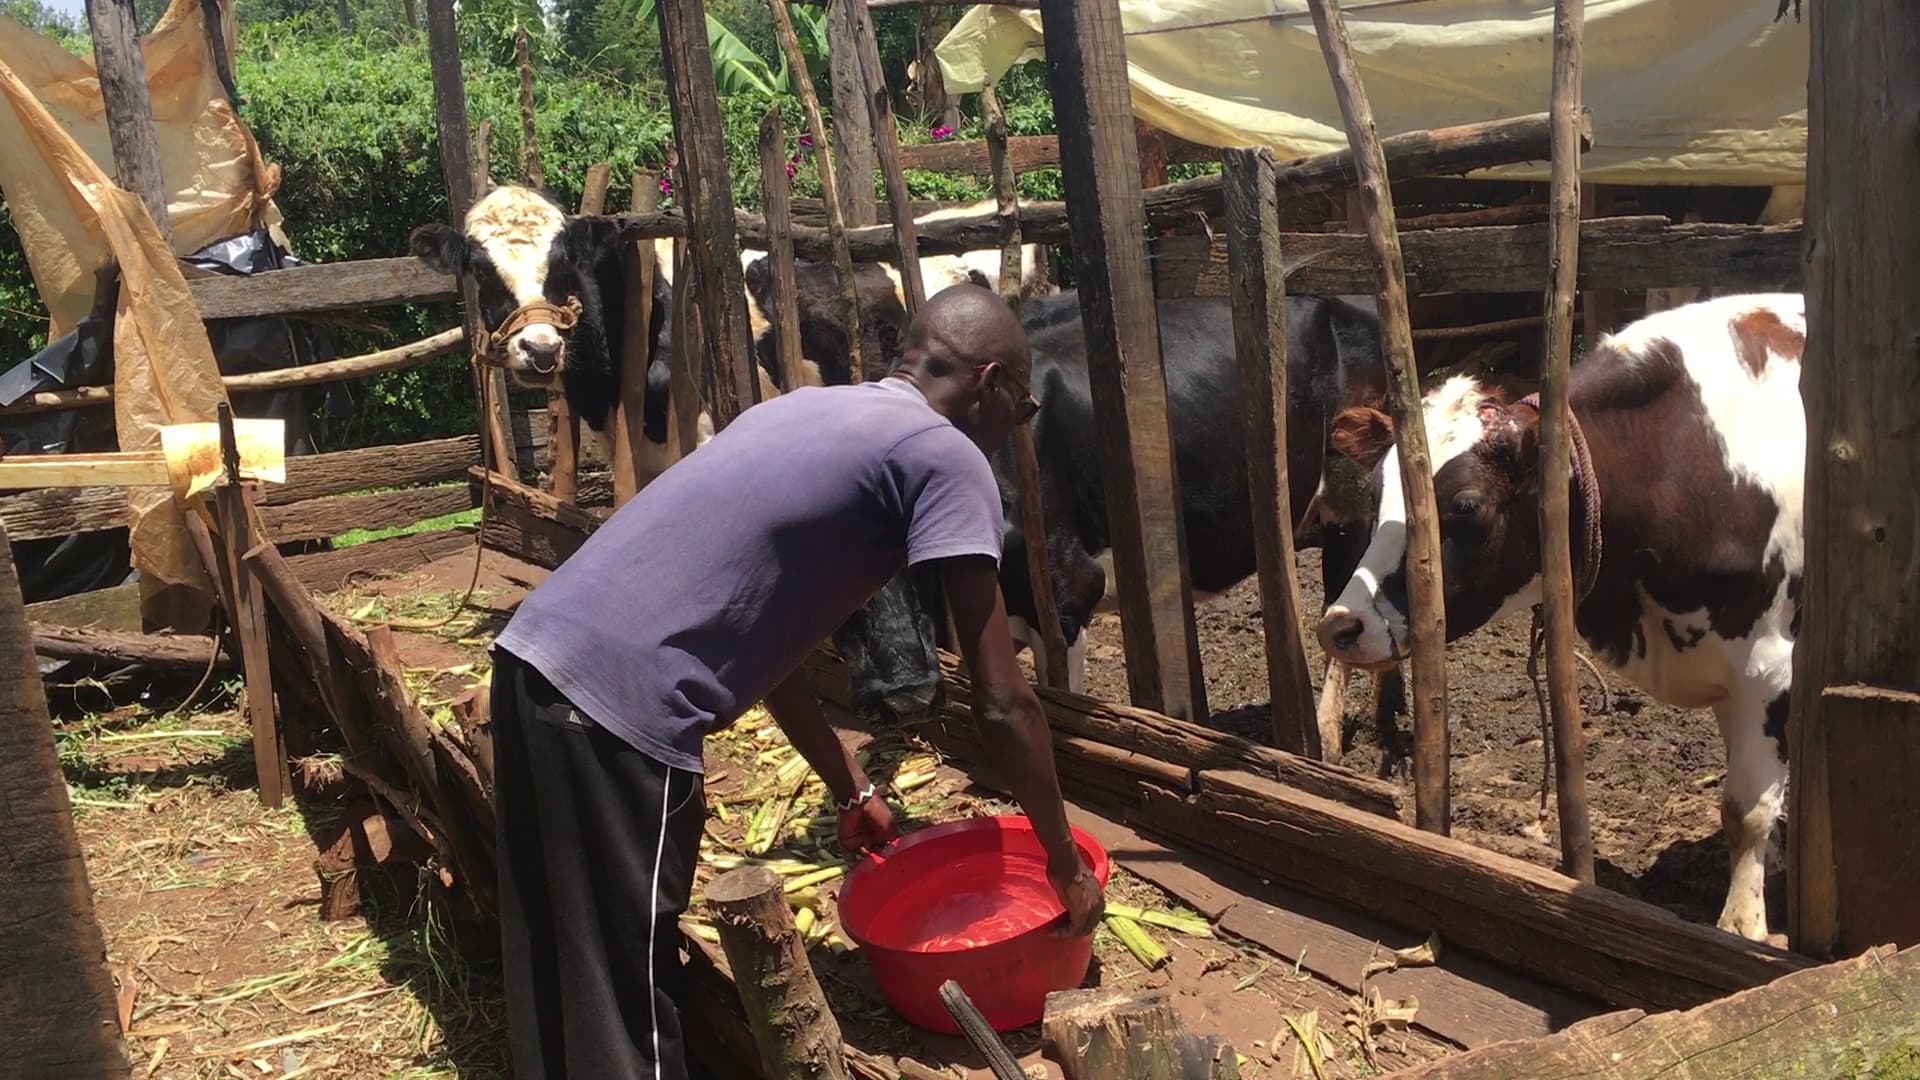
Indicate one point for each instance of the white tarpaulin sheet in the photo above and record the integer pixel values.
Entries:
(1681, 91)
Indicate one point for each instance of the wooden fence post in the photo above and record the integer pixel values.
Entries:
(450, 122)
(563, 427)
(1051, 666)
(786, 291)
(1087, 68)
(887, 141)
(1854, 822)
(629, 436)
(797, 1034)
(705, 195)
(55, 990)
(1260, 339)
(235, 515)
(123, 89)
(1426, 617)
(1558, 601)
(852, 123)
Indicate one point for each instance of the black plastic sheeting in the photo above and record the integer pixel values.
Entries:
(62, 566)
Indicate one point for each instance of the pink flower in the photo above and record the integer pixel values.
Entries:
(666, 186)
(791, 169)
(806, 142)
(941, 132)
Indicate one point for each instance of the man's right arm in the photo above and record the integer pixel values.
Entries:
(1015, 732)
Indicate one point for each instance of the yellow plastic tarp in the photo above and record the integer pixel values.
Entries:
(1681, 91)
(73, 220)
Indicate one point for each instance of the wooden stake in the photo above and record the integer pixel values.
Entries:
(482, 165)
(887, 141)
(234, 513)
(687, 395)
(706, 195)
(1086, 61)
(852, 122)
(450, 122)
(55, 989)
(796, 1032)
(1260, 339)
(628, 426)
(826, 169)
(786, 291)
(1558, 601)
(1427, 619)
(123, 90)
(979, 1033)
(529, 139)
(1052, 667)
(563, 427)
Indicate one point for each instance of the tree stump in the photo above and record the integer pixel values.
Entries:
(1097, 1034)
(796, 1032)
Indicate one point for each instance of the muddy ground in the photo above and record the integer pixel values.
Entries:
(1653, 771)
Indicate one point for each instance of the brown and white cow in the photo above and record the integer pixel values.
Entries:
(1697, 441)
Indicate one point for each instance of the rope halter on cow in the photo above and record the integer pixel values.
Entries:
(562, 317)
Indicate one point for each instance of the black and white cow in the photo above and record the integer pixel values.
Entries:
(1333, 352)
(1697, 439)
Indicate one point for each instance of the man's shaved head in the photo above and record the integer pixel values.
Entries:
(967, 352)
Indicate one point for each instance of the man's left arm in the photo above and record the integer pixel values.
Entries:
(867, 822)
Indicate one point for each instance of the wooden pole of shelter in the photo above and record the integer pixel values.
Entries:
(777, 190)
(530, 169)
(1260, 341)
(123, 91)
(450, 123)
(1558, 600)
(234, 514)
(706, 194)
(1086, 62)
(688, 395)
(55, 990)
(628, 427)
(1426, 617)
(826, 168)
(852, 123)
(1853, 827)
(1052, 667)
(563, 427)
(886, 139)
(797, 1034)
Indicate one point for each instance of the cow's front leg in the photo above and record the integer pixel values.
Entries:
(1750, 805)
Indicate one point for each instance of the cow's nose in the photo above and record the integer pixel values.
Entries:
(541, 356)
(1339, 631)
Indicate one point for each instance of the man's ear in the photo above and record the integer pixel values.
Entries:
(1363, 435)
(441, 247)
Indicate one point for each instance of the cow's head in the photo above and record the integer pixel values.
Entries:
(1486, 485)
(889, 646)
(535, 269)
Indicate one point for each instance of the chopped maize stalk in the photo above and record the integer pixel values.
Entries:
(815, 878)
(1138, 941)
(1185, 924)
(905, 782)
(803, 920)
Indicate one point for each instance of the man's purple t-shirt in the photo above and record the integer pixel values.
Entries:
(708, 588)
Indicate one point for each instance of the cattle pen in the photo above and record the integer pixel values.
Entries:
(1326, 924)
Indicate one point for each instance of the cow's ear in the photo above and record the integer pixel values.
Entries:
(592, 237)
(1363, 434)
(439, 246)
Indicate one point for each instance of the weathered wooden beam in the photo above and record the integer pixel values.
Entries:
(325, 571)
(1556, 553)
(628, 436)
(1028, 152)
(55, 989)
(1087, 69)
(563, 427)
(1638, 252)
(331, 515)
(1426, 617)
(123, 91)
(193, 651)
(1853, 1018)
(1852, 838)
(794, 1029)
(786, 291)
(233, 514)
(529, 524)
(706, 192)
(116, 607)
(886, 143)
(852, 120)
(345, 286)
(1260, 342)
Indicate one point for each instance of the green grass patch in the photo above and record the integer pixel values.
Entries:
(444, 521)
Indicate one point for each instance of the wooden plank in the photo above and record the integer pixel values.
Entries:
(130, 468)
(852, 122)
(531, 525)
(1599, 308)
(627, 430)
(1863, 312)
(1260, 343)
(233, 514)
(887, 144)
(1556, 552)
(114, 608)
(49, 512)
(1087, 69)
(331, 515)
(1872, 756)
(344, 286)
(1462, 999)
(57, 994)
(786, 291)
(1620, 253)
(194, 651)
(325, 571)
(1853, 1018)
(1426, 617)
(706, 192)
(122, 69)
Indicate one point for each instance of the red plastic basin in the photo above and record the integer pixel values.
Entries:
(967, 901)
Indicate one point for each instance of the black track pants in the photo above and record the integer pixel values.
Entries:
(597, 850)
